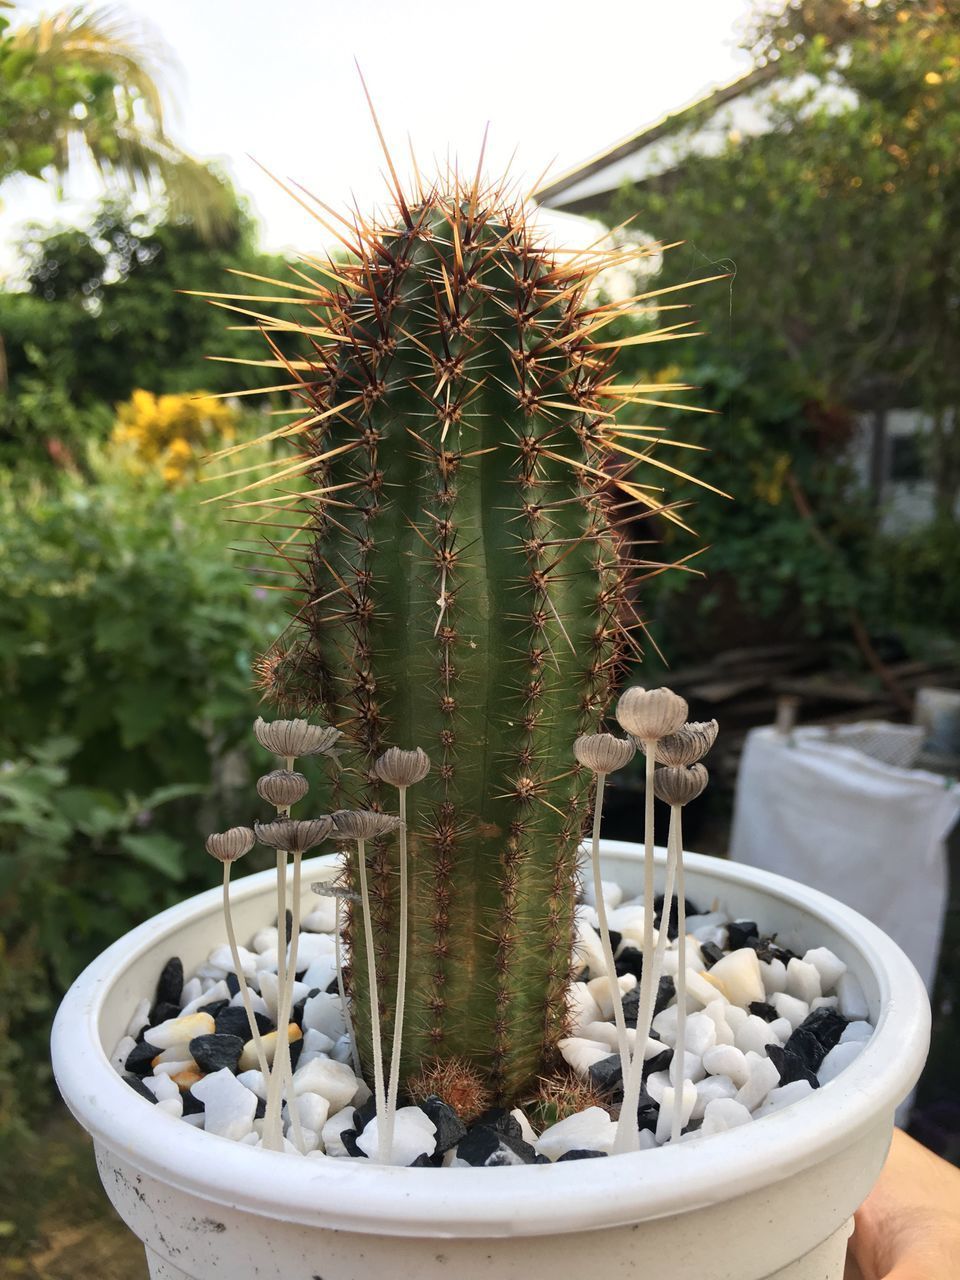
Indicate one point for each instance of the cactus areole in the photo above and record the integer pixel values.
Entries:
(464, 586)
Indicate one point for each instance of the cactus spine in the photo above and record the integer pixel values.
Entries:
(463, 587)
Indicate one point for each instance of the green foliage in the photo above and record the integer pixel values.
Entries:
(922, 569)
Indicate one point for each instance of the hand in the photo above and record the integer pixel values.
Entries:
(909, 1225)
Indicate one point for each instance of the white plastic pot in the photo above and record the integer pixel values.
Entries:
(771, 1200)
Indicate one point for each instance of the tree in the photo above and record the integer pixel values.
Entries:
(84, 81)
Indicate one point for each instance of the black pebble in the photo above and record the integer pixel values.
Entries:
(542, 1160)
(691, 910)
(740, 932)
(827, 1025)
(805, 1045)
(137, 1085)
(659, 1062)
(170, 983)
(140, 1059)
(261, 1110)
(615, 940)
(711, 953)
(607, 1075)
(767, 950)
(233, 983)
(214, 1052)
(333, 987)
(232, 1021)
(289, 926)
(486, 1147)
(363, 1115)
(763, 1010)
(665, 993)
(450, 1128)
(349, 1139)
(648, 1112)
(579, 1153)
(296, 1048)
(213, 1009)
(500, 1119)
(163, 1013)
(790, 1066)
(630, 960)
(192, 1106)
(423, 1161)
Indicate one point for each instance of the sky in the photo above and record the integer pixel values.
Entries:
(556, 80)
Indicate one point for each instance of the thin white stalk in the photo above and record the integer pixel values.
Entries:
(385, 1129)
(679, 1054)
(241, 979)
(378, 1090)
(342, 990)
(645, 1015)
(616, 996)
(628, 1133)
(272, 1129)
(283, 1012)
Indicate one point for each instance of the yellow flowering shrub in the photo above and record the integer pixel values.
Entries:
(172, 433)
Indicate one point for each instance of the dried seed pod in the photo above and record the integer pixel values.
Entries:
(402, 768)
(678, 785)
(228, 846)
(364, 824)
(649, 714)
(282, 788)
(288, 738)
(687, 745)
(295, 835)
(602, 752)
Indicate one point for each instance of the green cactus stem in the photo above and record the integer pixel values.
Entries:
(465, 586)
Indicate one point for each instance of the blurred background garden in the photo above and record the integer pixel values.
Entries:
(816, 173)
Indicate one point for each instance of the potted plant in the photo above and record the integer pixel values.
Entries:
(460, 521)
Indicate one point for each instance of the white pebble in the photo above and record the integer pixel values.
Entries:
(709, 921)
(122, 1052)
(701, 1033)
(602, 992)
(582, 1006)
(830, 967)
(688, 1100)
(589, 1130)
(774, 975)
(311, 947)
(581, 1054)
(270, 990)
(218, 991)
(789, 1007)
(762, 1076)
(321, 973)
(250, 1058)
(727, 1060)
(191, 989)
(181, 1030)
(265, 940)
(716, 1011)
(257, 1003)
(824, 1002)
(612, 893)
(701, 991)
(739, 972)
(755, 1035)
(840, 1056)
(665, 1024)
(606, 1033)
(716, 935)
(655, 1084)
(710, 1088)
(324, 1012)
(414, 1134)
(162, 1087)
(782, 1029)
(309, 1142)
(172, 1106)
(526, 1128)
(722, 1114)
(140, 1018)
(222, 958)
(268, 961)
(803, 980)
(588, 951)
(693, 1067)
(323, 916)
(785, 1096)
(315, 1044)
(332, 1080)
(856, 1031)
(736, 1017)
(334, 1127)
(853, 1003)
(254, 1080)
(229, 1107)
(173, 1066)
(342, 1051)
(313, 1110)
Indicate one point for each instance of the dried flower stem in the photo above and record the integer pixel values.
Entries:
(284, 1006)
(616, 995)
(241, 977)
(385, 1129)
(628, 1132)
(272, 1129)
(679, 1054)
(378, 1089)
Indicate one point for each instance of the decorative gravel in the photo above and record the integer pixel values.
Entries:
(765, 1027)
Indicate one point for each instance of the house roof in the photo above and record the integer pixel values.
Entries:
(602, 175)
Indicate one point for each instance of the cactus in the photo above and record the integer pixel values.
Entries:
(465, 584)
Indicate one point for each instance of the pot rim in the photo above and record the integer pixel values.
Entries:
(359, 1196)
